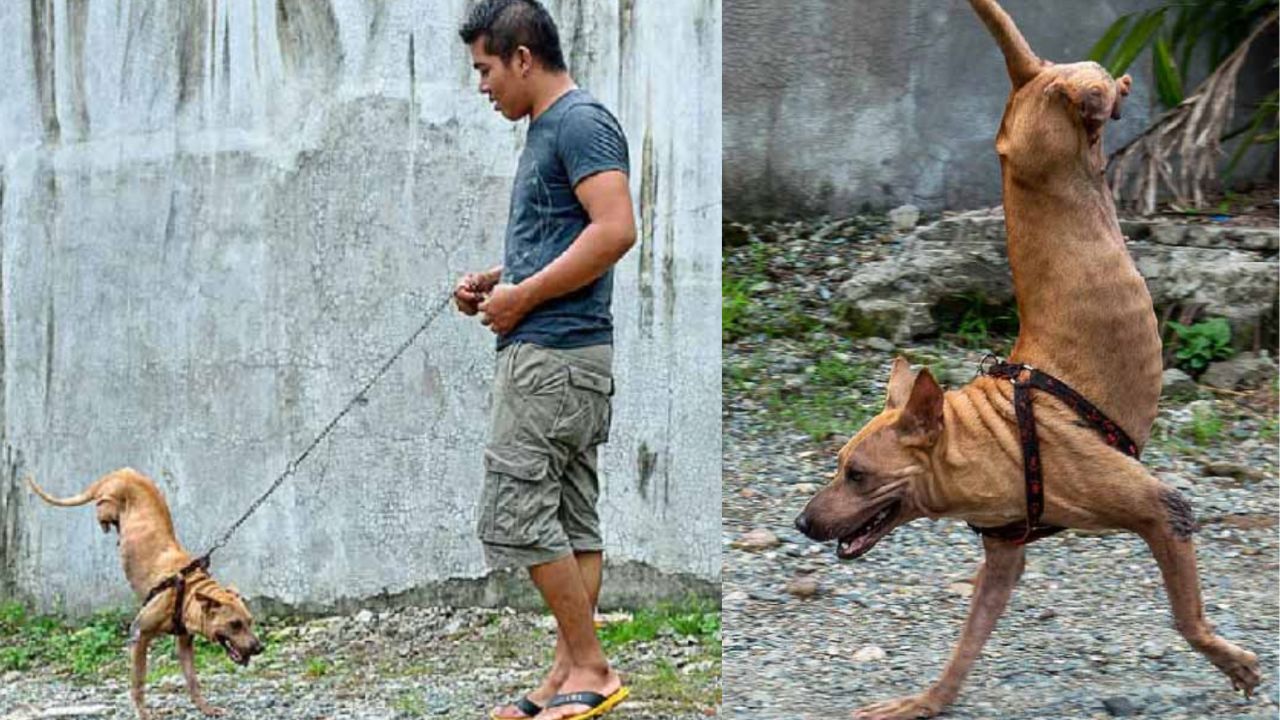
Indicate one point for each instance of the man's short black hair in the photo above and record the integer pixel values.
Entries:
(507, 24)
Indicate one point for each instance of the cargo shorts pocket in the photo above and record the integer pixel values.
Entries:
(513, 505)
(586, 413)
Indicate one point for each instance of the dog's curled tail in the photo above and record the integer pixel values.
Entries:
(83, 498)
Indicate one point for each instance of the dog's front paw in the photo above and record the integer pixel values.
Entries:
(905, 708)
(1243, 670)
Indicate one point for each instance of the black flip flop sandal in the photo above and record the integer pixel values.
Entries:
(524, 705)
(598, 704)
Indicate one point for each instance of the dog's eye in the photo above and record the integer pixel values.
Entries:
(853, 476)
(237, 626)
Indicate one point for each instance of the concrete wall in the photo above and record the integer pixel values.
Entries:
(831, 105)
(216, 220)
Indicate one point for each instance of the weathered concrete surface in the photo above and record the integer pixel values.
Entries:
(831, 105)
(217, 218)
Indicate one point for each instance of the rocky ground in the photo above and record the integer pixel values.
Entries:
(1088, 633)
(409, 663)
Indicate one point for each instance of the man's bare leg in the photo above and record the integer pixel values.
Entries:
(590, 566)
(565, 588)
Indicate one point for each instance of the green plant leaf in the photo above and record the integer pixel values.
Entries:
(1137, 40)
(1168, 79)
(1101, 50)
(1255, 131)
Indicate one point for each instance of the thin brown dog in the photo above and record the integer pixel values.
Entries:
(1086, 318)
(132, 504)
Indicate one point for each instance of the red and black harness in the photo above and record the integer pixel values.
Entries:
(178, 582)
(1026, 378)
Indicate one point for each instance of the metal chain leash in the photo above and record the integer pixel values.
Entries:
(466, 213)
(358, 398)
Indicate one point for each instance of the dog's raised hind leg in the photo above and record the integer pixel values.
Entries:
(1169, 538)
(997, 575)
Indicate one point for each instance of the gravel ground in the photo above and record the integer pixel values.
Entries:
(1088, 633)
(409, 663)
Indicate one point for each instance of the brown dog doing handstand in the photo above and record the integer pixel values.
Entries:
(1086, 318)
(131, 503)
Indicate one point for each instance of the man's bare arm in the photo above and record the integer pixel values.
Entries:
(610, 234)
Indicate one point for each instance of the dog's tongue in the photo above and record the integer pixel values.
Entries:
(856, 545)
(236, 657)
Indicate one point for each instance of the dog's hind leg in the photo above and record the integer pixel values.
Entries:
(186, 658)
(1169, 537)
(997, 576)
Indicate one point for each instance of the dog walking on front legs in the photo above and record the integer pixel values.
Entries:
(153, 561)
(1086, 325)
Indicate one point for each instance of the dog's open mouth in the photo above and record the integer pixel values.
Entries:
(866, 535)
(236, 656)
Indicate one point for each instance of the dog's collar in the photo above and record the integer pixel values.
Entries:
(1024, 379)
(178, 582)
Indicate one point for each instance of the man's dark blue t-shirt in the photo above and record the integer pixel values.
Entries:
(571, 140)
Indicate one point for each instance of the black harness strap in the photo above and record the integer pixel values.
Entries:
(1026, 378)
(178, 582)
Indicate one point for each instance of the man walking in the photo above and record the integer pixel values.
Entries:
(570, 221)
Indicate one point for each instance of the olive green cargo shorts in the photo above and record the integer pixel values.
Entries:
(551, 409)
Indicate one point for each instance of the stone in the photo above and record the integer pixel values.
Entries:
(1120, 706)
(964, 256)
(904, 217)
(869, 654)
(1246, 370)
(734, 234)
(803, 587)
(74, 711)
(1232, 470)
(1152, 649)
(963, 589)
(1176, 383)
(757, 540)
(880, 344)
(364, 617)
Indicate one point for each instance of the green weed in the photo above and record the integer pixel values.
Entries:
(317, 668)
(81, 649)
(410, 704)
(697, 619)
(1205, 426)
(1202, 343)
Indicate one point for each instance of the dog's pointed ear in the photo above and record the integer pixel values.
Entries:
(1123, 84)
(921, 418)
(900, 380)
(208, 603)
(232, 589)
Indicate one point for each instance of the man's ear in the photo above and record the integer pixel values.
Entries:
(900, 381)
(524, 60)
(921, 419)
